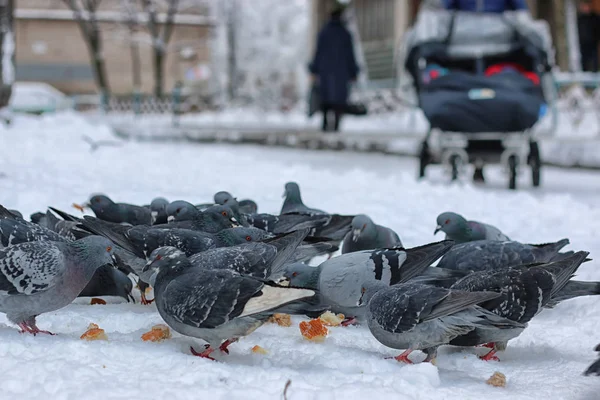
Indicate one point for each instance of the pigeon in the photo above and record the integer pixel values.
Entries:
(142, 240)
(14, 229)
(245, 206)
(39, 277)
(39, 218)
(457, 228)
(524, 291)
(414, 316)
(340, 280)
(334, 227)
(216, 305)
(225, 198)
(491, 254)
(366, 235)
(180, 210)
(594, 369)
(293, 202)
(158, 209)
(108, 281)
(106, 209)
(211, 220)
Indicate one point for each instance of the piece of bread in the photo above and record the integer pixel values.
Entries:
(157, 333)
(94, 332)
(313, 330)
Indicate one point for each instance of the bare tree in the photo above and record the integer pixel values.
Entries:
(84, 12)
(7, 51)
(132, 24)
(160, 38)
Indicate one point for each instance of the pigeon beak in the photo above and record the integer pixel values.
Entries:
(437, 229)
(115, 259)
(154, 214)
(356, 234)
(170, 218)
(234, 221)
(147, 266)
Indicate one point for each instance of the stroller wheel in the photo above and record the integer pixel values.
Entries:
(535, 162)
(512, 172)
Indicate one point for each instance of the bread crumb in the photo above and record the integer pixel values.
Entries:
(96, 300)
(158, 333)
(94, 333)
(259, 350)
(498, 379)
(281, 319)
(330, 319)
(313, 330)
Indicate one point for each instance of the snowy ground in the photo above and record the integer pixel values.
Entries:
(44, 162)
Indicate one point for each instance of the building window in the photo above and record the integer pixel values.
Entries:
(375, 19)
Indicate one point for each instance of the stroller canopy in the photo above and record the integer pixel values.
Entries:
(478, 72)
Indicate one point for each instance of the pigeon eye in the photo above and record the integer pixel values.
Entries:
(295, 274)
(364, 226)
(447, 222)
(158, 258)
(248, 238)
(109, 249)
(224, 213)
(97, 200)
(363, 290)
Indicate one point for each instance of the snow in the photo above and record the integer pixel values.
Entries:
(44, 161)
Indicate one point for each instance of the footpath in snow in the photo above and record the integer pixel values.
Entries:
(44, 161)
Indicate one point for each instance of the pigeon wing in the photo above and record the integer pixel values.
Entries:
(29, 268)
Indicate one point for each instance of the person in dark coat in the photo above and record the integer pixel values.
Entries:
(589, 34)
(333, 68)
(486, 6)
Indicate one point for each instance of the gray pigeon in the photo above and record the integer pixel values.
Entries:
(246, 206)
(142, 240)
(414, 316)
(212, 220)
(225, 198)
(524, 292)
(108, 210)
(340, 280)
(216, 305)
(108, 281)
(491, 254)
(594, 369)
(158, 209)
(293, 202)
(39, 277)
(457, 228)
(366, 235)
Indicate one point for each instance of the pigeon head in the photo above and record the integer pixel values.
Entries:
(37, 217)
(159, 204)
(123, 285)
(219, 217)
(94, 251)
(165, 259)
(368, 290)
(302, 275)
(99, 203)
(362, 227)
(16, 213)
(180, 210)
(239, 235)
(451, 224)
(292, 191)
(223, 197)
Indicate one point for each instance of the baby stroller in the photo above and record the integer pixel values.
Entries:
(479, 80)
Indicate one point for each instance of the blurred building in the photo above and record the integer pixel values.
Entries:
(50, 47)
(381, 25)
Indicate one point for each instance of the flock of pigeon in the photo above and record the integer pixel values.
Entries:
(219, 271)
